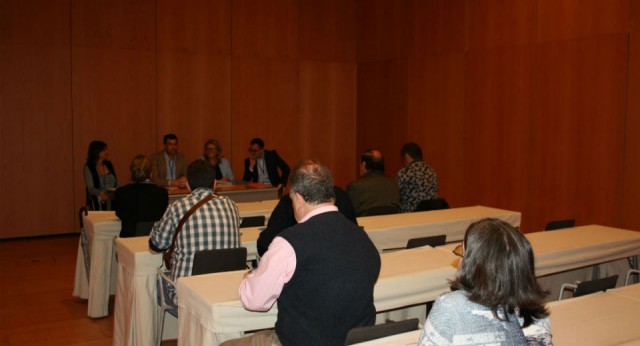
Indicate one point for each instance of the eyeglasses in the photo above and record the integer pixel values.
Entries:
(212, 149)
(458, 251)
(253, 151)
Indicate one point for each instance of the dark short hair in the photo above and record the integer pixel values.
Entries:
(95, 148)
(412, 149)
(372, 162)
(169, 136)
(200, 174)
(141, 168)
(313, 182)
(498, 271)
(257, 141)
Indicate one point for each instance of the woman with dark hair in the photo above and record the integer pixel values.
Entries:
(142, 201)
(213, 155)
(99, 175)
(496, 298)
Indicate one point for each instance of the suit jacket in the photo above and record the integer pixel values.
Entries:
(160, 167)
(273, 161)
(373, 190)
(283, 217)
(139, 202)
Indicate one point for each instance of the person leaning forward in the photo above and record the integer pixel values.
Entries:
(321, 271)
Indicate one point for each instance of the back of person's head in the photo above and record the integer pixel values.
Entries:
(141, 168)
(412, 149)
(498, 271)
(200, 174)
(95, 148)
(257, 141)
(373, 160)
(313, 182)
(169, 136)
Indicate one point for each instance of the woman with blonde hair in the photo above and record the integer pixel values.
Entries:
(213, 155)
(141, 200)
(496, 299)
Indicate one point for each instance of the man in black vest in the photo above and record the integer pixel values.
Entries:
(322, 271)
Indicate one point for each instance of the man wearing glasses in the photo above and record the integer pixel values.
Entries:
(265, 166)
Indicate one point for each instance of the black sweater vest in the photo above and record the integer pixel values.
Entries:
(331, 290)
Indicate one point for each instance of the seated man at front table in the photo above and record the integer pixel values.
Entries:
(417, 180)
(262, 166)
(169, 166)
(373, 191)
(322, 271)
(214, 225)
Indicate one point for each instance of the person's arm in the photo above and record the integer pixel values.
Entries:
(162, 232)
(248, 171)
(225, 167)
(88, 179)
(159, 170)
(259, 290)
(284, 168)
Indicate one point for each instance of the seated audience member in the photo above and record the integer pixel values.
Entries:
(213, 155)
(169, 166)
(321, 271)
(373, 188)
(212, 226)
(99, 175)
(262, 166)
(496, 298)
(416, 180)
(283, 217)
(141, 200)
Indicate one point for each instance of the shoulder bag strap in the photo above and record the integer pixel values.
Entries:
(169, 253)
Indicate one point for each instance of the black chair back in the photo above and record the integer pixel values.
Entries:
(362, 334)
(82, 211)
(219, 260)
(252, 221)
(597, 285)
(433, 241)
(432, 204)
(381, 210)
(143, 228)
(560, 224)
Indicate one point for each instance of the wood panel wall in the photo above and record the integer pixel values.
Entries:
(128, 72)
(524, 105)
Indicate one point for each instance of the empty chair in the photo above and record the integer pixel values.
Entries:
(204, 262)
(591, 286)
(362, 334)
(252, 221)
(219, 260)
(432, 204)
(433, 241)
(560, 224)
(629, 273)
(143, 228)
(381, 210)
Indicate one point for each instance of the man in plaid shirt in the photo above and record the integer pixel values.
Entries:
(212, 226)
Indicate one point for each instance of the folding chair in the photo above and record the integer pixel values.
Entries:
(591, 286)
(362, 334)
(143, 228)
(560, 224)
(433, 241)
(252, 221)
(629, 273)
(432, 204)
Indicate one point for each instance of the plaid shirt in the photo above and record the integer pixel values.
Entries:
(213, 226)
(417, 182)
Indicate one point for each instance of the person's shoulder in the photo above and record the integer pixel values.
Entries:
(156, 156)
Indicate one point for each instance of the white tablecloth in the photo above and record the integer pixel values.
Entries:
(393, 231)
(136, 305)
(211, 312)
(101, 228)
(604, 318)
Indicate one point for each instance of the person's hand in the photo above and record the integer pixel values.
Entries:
(103, 196)
(181, 182)
(247, 274)
(252, 163)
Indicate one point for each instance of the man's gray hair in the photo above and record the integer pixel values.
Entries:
(313, 182)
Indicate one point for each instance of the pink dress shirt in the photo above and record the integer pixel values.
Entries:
(259, 290)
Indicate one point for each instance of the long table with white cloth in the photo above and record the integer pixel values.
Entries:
(136, 304)
(100, 228)
(604, 318)
(393, 231)
(211, 312)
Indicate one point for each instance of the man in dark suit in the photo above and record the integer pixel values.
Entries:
(373, 190)
(262, 166)
(142, 200)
